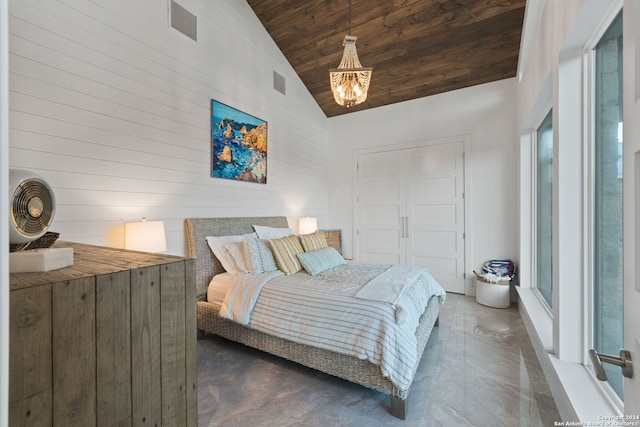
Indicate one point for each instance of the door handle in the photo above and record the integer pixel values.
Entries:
(624, 361)
(406, 226)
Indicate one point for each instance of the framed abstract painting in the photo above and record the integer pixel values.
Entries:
(238, 145)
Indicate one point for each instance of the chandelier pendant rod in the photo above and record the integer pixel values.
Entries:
(349, 17)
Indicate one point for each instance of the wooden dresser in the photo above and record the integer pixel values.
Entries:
(108, 341)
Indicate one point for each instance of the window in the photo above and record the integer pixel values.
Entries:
(607, 199)
(544, 193)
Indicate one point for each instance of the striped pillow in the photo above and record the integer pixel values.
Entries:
(285, 251)
(313, 241)
(259, 256)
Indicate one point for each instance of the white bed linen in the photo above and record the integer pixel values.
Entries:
(242, 296)
(324, 311)
(390, 286)
(218, 287)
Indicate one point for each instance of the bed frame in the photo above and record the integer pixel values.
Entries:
(346, 367)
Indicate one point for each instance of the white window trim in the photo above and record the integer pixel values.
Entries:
(575, 389)
(534, 201)
(538, 310)
(589, 201)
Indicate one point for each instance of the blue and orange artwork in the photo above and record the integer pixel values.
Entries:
(238, 145)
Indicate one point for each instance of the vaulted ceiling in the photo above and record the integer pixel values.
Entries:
(416, 47)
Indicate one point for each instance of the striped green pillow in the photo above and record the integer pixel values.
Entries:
(285, 251)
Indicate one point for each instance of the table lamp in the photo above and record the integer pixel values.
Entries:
(145, 236)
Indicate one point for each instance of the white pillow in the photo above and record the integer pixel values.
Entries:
(235, 251)
(269, 233)
(216, 243)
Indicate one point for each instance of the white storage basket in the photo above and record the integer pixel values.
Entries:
(496, 295)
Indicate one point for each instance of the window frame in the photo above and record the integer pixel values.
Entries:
(548, 111)
(589, 61)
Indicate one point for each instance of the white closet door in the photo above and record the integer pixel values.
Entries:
(435, 204)
(410, 210)
(381, 205)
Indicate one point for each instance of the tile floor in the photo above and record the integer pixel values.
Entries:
(479, 369)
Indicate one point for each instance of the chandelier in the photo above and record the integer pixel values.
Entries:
(350, 81)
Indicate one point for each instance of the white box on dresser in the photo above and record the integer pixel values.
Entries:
(40, 260)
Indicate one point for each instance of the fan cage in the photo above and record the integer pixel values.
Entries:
(32, 207)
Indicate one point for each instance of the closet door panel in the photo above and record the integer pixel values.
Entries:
(433, 190)
(381, 207)
(435, 214)
(437, 242)
(438, 267)
(435, 208)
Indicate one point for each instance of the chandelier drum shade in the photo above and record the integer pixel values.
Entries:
(350, 81)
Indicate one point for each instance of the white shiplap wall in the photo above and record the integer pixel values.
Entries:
(112, 106)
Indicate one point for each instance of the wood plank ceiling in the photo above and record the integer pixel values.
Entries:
(417, 48)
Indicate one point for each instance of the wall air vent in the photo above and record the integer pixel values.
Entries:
(183, 20)
(278, 83)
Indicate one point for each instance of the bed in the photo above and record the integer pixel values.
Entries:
(348, 367)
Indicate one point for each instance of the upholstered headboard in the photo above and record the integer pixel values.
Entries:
(196, 231)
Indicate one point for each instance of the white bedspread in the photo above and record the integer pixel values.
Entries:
(241, 297)
(341, 310)
(390, 286)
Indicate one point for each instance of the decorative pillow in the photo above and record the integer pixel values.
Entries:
(285, 251)
(235, 251)
(269, 233)
(313, 241)
(315, 262)
(259, 256)
(216, 243)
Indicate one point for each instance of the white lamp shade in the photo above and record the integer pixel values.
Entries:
(145, 236)
(307, 225)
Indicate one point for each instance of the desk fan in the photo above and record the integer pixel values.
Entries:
(32, 207)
